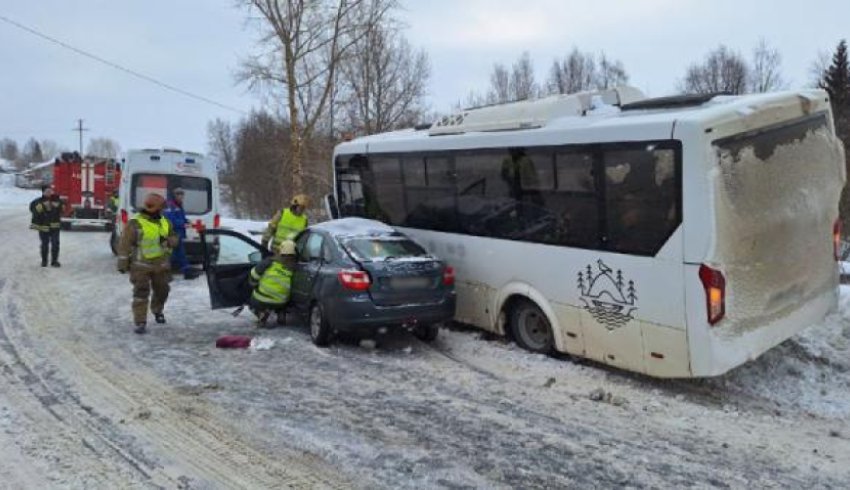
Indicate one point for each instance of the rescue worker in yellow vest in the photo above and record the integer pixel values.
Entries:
(287, 223)
(272, 280)
(145, 251)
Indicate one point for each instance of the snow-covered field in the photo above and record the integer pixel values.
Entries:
(84, 403)
(13, 197)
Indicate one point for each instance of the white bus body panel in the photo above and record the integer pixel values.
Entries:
(801, 276)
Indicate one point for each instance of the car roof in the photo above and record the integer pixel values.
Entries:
(354, 227)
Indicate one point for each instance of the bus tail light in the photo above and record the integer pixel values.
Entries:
(449, 276)
(124, 217)
(836, 239)
(217, 221)
(715, 293)
(354, 280)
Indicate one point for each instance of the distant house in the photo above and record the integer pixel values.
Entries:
(37, 175)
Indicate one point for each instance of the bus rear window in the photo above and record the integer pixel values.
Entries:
(198, 190)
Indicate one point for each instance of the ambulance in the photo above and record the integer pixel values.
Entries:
(162, 171)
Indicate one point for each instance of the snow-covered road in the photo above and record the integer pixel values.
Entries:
(84, 403)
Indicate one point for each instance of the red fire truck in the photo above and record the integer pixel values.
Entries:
(84, 185)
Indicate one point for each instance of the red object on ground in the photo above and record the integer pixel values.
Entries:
(233, 342)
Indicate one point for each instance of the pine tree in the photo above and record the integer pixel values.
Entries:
(581, 282)
(836, 82)
(632, 292)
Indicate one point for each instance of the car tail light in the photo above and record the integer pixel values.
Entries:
(836, 239)
(449, 276)
(217, 221)
(715, 293)
(355, 280)
(124, 216)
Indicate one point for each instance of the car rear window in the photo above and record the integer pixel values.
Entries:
(378, 249)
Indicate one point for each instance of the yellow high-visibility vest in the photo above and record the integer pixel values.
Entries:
(152, 236)
(289, 226)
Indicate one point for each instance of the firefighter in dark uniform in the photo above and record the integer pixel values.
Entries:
(145, 251)
(47, 220)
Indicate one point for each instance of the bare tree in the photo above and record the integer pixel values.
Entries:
(766, 70)
(500, 85)
(723, 71)
(8, 149)
(383, 81)
(304, 44)
(610, 73)
(50, 149)
(575, 73)
(103, 148)
(522, 84)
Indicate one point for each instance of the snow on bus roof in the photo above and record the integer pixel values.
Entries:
(354, 227)
(648, 112)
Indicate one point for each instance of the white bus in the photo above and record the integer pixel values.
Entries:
(162, 171)
(677, 237)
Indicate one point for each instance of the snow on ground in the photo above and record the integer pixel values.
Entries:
(14, 197)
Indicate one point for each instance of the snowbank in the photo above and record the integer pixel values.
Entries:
(13, 197)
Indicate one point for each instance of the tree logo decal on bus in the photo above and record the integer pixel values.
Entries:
(609, 298)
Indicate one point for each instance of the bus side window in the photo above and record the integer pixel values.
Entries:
(640, 199)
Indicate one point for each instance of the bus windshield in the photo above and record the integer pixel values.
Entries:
(198, 190)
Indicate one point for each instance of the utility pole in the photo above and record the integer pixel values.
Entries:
(80, 129)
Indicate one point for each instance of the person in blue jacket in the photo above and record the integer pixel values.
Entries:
(174, 212)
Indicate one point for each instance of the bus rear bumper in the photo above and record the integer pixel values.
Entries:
(728, 350)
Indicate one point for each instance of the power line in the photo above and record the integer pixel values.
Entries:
(119, 67)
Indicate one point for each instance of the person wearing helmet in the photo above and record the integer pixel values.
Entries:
(145, 252)
(287, 223)
(272, 280)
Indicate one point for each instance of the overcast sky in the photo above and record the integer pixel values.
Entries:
(196, 44)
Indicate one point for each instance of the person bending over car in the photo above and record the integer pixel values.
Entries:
(272, 280)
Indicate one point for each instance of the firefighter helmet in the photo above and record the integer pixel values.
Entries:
(153, 202)
(301, 200)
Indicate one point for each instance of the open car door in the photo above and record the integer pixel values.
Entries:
(229, 257)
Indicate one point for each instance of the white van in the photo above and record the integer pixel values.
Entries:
(677, 237)
(162, 171)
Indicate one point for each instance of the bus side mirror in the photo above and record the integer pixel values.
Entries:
(331, 207)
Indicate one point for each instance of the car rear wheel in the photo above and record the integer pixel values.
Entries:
(320, 330)
(426, 333)
(531, 328)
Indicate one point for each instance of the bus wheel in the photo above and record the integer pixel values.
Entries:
(530, 328)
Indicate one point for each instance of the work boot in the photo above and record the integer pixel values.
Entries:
(281, 318)
(262, 318)
(159, 317)
(44, 263)
(141, 328)
(55, 264)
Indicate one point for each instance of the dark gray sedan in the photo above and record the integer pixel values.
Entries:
(353, 275)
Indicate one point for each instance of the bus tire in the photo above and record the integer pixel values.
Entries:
(320, 329)
(530, 328)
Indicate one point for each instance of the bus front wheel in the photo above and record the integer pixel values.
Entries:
(530, 328)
